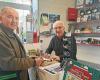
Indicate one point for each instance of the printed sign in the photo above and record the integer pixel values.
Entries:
(79, 71)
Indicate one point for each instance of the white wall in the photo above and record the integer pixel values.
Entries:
(56, 7)
(89, 53)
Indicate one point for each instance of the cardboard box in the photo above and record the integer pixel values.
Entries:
(47, 72)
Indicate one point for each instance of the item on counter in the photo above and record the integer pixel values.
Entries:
(47, 62)
(54, 70)
(97, 15)
(45, 59)
(86, 30)
(79, 2)
(94, 10)
(78, 18)
(32, 52)
(88, 12)
(94, 15)
(95, 1)
(77, 30)
(88, 2)
(85, 18)
(82, 12)
(89, 40)
(98, 29)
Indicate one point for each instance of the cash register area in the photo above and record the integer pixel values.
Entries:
(81, 17)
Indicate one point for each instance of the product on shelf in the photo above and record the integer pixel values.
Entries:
(86, 29)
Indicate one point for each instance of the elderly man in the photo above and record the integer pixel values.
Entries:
(12, 54)
(62, 43)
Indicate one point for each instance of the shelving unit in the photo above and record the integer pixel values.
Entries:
(87, 34)
(88, 5)
(88, 21)
(85, 44)
(88, 43)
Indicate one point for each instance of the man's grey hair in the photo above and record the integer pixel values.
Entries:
(6, 9)
(58, 22)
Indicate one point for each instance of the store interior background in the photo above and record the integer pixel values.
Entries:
(59, 7)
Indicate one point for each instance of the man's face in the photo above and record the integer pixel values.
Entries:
(10, 19)
(59, 29)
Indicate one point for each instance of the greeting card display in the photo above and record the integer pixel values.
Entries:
(74, 70)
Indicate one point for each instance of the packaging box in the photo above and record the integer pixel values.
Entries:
(50, 72)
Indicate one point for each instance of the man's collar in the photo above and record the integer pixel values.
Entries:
(68, 34)
(7, 30)
(62, 35)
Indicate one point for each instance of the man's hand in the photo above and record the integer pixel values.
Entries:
(54, 57)
(39, 61)
(46, 55)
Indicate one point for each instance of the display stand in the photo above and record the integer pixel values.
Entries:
(74, 70)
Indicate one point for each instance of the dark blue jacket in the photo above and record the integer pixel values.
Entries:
(57, 45)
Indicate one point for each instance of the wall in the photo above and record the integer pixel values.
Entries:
(89, 53)
(56, 7)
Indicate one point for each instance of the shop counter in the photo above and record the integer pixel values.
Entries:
(50, 72)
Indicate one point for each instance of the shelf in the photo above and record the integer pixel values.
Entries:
(90, 21)
(88, 5)
(84, 44)
(87, 34)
